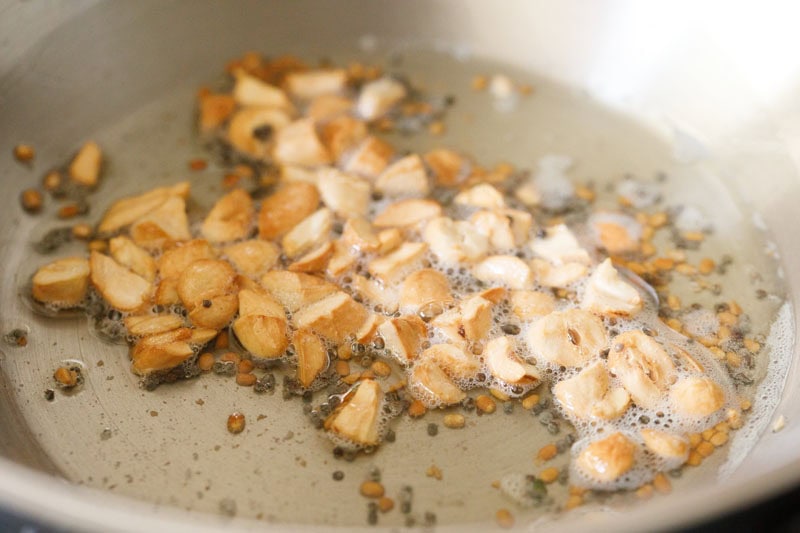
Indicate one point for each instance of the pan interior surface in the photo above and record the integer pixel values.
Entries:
(170, 447)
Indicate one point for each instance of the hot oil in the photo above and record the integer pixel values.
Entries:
(182, 455)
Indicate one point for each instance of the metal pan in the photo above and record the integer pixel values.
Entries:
(115, 457)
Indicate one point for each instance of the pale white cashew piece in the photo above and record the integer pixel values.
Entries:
(642, 365)
(568, 338)
(431, 385)
(457, 363)
(454, 241)
(358, 418)
(587, 394)
(559, 246)
(560, 276)
(404, 177)
(378, 97)
(697, 396)
(508, 270)
(608, 294)
(504, 364)
(481, 195)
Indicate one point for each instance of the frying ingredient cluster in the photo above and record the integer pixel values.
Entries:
(435, 276)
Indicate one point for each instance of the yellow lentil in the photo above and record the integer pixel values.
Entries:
(205, 362)
(372, 489)
(705, 449)
(573, 501)
(679, 256)
(479, 83)
(454, 421)
(342, 367)
(575, 490)
(236, 423)
(485, 404)
(663, 263)
(751, 345)
(198, 164)
(436, 128)
(708, 342)
(525, 89)
(659, 219)
(380, 368)
(662, 483)
(82, 231)
(24, 153)
(344, 351)
(694, 236)
(733, 359)
(717, 352)
(585, 193)
(97, 245)
(68, 211)
(385, 504)
(417, 409)
(435, 472)
(695, 459)
(548, 475)
(673, 302)
(52, 180)
(547, 452)
(719, 439)
(530, 401)
(675, 324)
(66, 377)
(396, 386)
(31, 200)
(727, 318)
(245, 380)
(504, 518)
(706, 266)
(645, 492)
(352, 378)
(500, 395)
(221, 342)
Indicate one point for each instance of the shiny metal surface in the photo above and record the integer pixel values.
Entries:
(115, 69)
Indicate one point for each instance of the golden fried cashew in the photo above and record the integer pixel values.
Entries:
(665, 444)
(607, 459)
